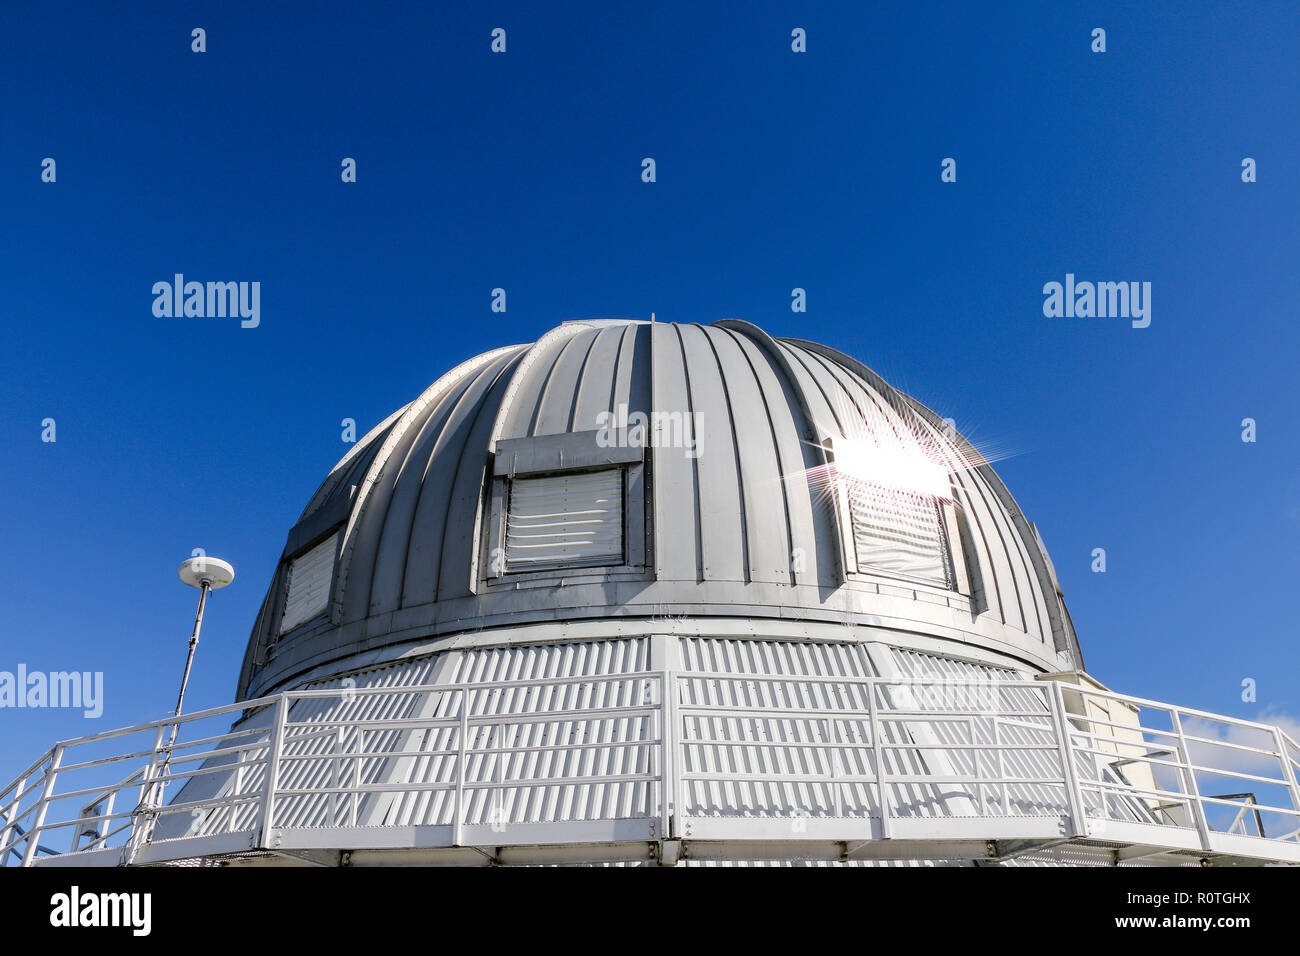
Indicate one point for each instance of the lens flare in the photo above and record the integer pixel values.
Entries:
(890, 465)
(883, 454)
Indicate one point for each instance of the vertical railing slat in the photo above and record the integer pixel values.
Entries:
(878, 748)
(10, 813)
(1189, 781)
(675, 757)
(1073, 794)
(458, 808)
(1289, 772)
(34, 833)
(266, 812)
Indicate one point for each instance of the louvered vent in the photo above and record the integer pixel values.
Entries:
(309, 584)
(898, 532)
(572, 520)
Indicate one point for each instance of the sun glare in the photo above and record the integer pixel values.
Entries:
(879, 453)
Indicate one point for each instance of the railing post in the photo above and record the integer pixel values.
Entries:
(239, 782)
(141, 816)
(34, 832)
(106, 825)
(1073, 795)
(359, 742)
(1287, 769)
(269, 781)
(336, 776)
(496, 803)
(673, 759)
(458, 808)
(8, 815)
(656, 733)
(1189, 782)
(882, 788)
(148, 780)
(1000, 767)
(836, 797)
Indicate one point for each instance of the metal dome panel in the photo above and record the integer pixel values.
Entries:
(735, 523)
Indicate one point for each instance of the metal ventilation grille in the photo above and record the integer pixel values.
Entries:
(309, 584)
(565, 520)
(898, 532)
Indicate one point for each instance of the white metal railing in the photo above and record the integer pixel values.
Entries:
(721, 756)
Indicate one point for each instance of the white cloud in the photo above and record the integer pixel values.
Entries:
(1229, 759)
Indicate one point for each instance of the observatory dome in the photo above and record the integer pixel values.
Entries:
(621, 478)
(658, 594)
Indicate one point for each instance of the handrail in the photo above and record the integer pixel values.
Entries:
(260, 780)
(13, 848)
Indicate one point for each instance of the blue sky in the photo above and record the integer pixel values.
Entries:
(775, 170)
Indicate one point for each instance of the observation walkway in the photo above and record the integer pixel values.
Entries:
(663, 767)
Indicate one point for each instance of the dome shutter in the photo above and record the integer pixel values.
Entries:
(898, 532)
(566, 520)
(308, 591)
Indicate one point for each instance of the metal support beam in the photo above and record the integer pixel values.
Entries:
(34, 832)
(266, 811)
(1190, 787)
(1074, 796)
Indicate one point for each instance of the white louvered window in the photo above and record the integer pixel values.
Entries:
(898, 532)
(308, 588)
(570, 520)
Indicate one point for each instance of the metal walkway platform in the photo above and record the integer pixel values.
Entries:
(666, 767)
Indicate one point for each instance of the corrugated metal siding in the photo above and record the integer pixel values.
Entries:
(595, 745)
(329, 809)
(800, 864)
(730, 745)
(296, 773)
(966, 686)
(784, 864)
(815, 724)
